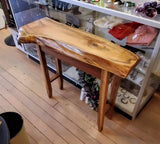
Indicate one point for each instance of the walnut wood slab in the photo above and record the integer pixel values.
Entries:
(84, 46)
(86, 51)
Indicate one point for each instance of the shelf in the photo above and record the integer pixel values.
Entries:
(138, 80)
(129, 107)
(104, 33)
(152, 22)
(146, 97)
(141, 69)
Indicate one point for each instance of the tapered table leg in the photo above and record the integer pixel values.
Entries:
(103, 98)
(59, 72)
(45, 71)
(113, 95)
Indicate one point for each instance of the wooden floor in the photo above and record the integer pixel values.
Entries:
(64, 119)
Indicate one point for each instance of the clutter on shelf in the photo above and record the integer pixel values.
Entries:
(123, 30)
(150, 9)
(62, 6)
(135, 33)
(108, 22)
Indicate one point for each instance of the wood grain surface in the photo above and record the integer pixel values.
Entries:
(79, 45)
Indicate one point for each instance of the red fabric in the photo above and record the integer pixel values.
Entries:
(122, 30)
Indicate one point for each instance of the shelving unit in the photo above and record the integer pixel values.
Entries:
(131, 17)
(141, 98)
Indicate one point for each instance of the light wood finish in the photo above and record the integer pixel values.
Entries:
(95, 71)
(83, 47)
(105, 76)
(22, 79)
(44, 67)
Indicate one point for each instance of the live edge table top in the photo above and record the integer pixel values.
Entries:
(83, 46)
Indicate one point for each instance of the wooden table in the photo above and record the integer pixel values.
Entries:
(88, 52)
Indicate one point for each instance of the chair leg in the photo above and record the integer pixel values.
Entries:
(103, 98)
(113, 95)
(45, 71)
(59, 72)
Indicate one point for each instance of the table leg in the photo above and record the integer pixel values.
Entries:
(103, 98)
(45, 71)
(59, 72)
(113, 95)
